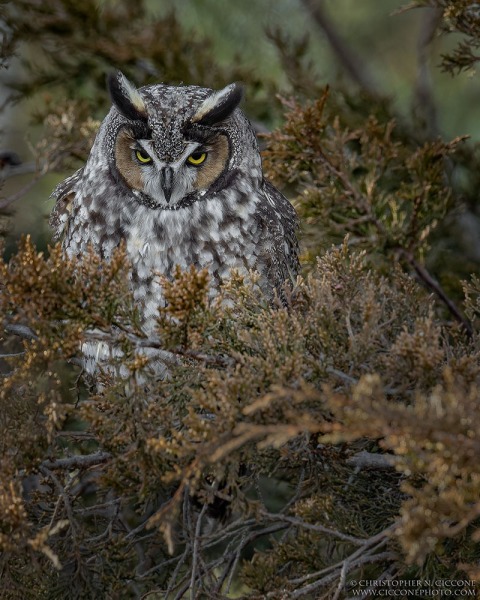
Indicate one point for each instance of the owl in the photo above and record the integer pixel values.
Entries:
(175, 172)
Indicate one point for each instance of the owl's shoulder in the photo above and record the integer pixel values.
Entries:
(64, 195)
(279, 244)
(282, 207)
(278, 214)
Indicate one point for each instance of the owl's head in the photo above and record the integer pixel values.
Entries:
(173, 145)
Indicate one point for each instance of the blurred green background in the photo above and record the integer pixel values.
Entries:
(382, 37)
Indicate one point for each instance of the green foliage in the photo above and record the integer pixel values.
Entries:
(69, 47)
(366, 181)
(458, 16)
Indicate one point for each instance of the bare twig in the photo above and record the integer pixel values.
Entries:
(26, 333)
(230, 530)
(76, 435)
(13, 170)
(63, 495)
(217, 360)
(300, 580)
(373, 589)
(230, 562)
(176, 559)
(342, 579)
(103, 508)
(341, 375)
(240, 534)
(233, 566)
(366, 554)
(424, 102)
(78, 462)
(351, 62)
(18, 195)
(311, 527)
(196, 547)
(181, 561)
(362, 560)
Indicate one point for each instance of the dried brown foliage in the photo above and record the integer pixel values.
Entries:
(257, 399)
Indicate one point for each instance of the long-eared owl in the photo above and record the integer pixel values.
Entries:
(176, 173)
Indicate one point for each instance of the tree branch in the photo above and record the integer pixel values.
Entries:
(423, 100)
(370, 460)
(12, 170)
(312, 527)
(350, 61)
(345, 568)
(81, 461)
(438, 291)
(18, 195)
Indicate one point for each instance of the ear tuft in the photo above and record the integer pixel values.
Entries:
(126, 97)
(219, 105)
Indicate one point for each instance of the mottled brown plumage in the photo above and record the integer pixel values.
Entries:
(176, 173)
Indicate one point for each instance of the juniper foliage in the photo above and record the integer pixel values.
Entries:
(460, 17)
(290, 450)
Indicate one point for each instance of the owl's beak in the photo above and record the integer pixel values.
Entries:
(166, 181)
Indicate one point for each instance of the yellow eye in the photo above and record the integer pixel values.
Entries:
(197, 158)
(142, 157)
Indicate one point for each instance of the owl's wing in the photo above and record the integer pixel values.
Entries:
(279, 245)
(63, 195)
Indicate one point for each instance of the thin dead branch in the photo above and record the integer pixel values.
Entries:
(424, 101)
(78, 462)
(353, 65)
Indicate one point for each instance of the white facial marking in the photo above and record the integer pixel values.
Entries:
(184, 176)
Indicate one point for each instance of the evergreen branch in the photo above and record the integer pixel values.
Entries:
(349, 187)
